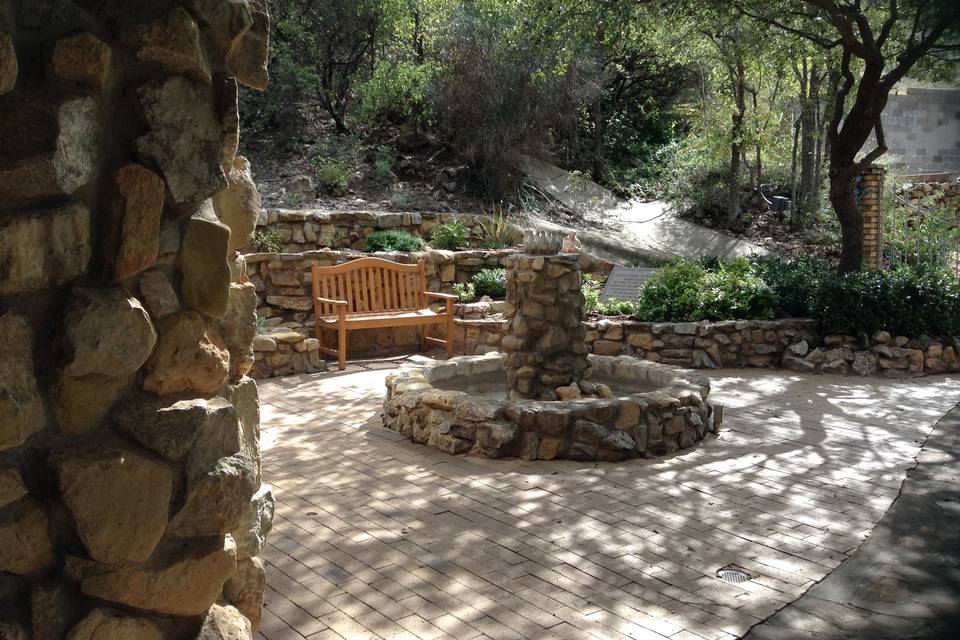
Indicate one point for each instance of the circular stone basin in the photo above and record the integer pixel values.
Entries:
(460, 406)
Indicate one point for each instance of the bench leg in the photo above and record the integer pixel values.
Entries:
(342, 341)
(449, 328)
(423, 337)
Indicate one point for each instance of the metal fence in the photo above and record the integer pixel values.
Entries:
(920, 235)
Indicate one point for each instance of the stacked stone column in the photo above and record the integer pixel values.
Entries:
(871, 207)
(544, 343)
(131, 501)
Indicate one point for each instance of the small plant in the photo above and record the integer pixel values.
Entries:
(394, 241)
(450, 235)
(383, 165)
(261, 324)
(267, 241)
(332, 176)
(592, 288)
(490, 282)
(465, 291)
(497, 233)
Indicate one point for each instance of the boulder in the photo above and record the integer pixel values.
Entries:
(245, 590)
(238, 206)
(799, 348)
(49, 146)
(865, 363)
(795, 363)
(585, 440)
(119, 500)
(158, 294)
(172, 43)
(247, 59)
(12, 487)
(9, 68)
(616, 445)
(106, 624)
(238, 327)
(183, 580)
(255, 523)
(190, 357)
(203, 261)
(224, 23)
(228, 110)
(60, 241)
(217, 500)
(188, 151)
(97, 370)
(245, 399)
(225, 623)
(25, 545)
(21, 409)
(170, 426)
(221, 435)
(136, 206)
(81, 59)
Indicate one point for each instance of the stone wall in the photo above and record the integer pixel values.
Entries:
(943, 194)
(131, 502)
(311, 230)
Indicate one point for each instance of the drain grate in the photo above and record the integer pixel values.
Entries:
(733, 575)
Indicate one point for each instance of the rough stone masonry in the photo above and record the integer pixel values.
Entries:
(131, 501)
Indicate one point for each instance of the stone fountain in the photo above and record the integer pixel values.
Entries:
(546, 397)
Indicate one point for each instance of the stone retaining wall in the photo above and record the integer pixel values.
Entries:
(932, 194)
(311, 230)
(131, 494)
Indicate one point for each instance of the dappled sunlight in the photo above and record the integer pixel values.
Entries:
(370, 523)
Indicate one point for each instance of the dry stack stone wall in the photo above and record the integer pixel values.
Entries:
(544, 341)
(131, 501)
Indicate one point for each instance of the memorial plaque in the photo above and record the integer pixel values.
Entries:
(624, 283)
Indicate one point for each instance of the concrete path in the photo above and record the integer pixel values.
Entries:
(904, 582)
(648, 230)
(377, 537)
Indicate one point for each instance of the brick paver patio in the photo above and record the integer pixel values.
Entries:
(376, 537)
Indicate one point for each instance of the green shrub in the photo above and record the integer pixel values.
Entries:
(394, 241)
(267, 241)
(450, 235)
(497, 233)
(796, 282)
(592, 288)
(490, 282)
(465, 291)
(672, 296)
(332, 176)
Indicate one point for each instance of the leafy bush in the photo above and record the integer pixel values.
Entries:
(398, 91)
(497, 233)
(394, 241)
(592, 288)
(490, 282)
(796, 282)
(450, 235)
(267, 241)
(332, 176)
(465, 291)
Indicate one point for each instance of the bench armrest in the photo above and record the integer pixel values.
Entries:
(332, 301)
(442, 296)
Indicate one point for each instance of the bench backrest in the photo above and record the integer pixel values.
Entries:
(370, 285)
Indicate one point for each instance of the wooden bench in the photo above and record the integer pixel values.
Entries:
(369, 293)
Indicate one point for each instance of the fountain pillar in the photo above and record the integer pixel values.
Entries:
(544, 343)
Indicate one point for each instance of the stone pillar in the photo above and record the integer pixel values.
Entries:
(131, 502)
(871, 206)
(545, 339)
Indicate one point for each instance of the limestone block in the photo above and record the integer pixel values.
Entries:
(60, 248)
(25, 544)
(190, 357)
(247, 59)
(216, 500)
(245, 590)
(9, 68)
(206, 272)
(48, 146)
(238, 206)
(189, 151)
(238, 327)
(104, 624)
(21, 409)
(82, 59)
(158, 294)
(181, 581)
(865, 363)
(256, 523)
(136, 206)
(223, 23)
(169, 426)
(228, 109)
(12, 487)
(109, 337)
(221, 435)
(225, 623)
(245, 399)
(173, 43)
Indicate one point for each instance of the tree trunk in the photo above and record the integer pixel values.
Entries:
(844, 200)
(808, 141)
(599, 131)
(796, 219)
(736, 141)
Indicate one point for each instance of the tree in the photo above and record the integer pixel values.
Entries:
(879, 43)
